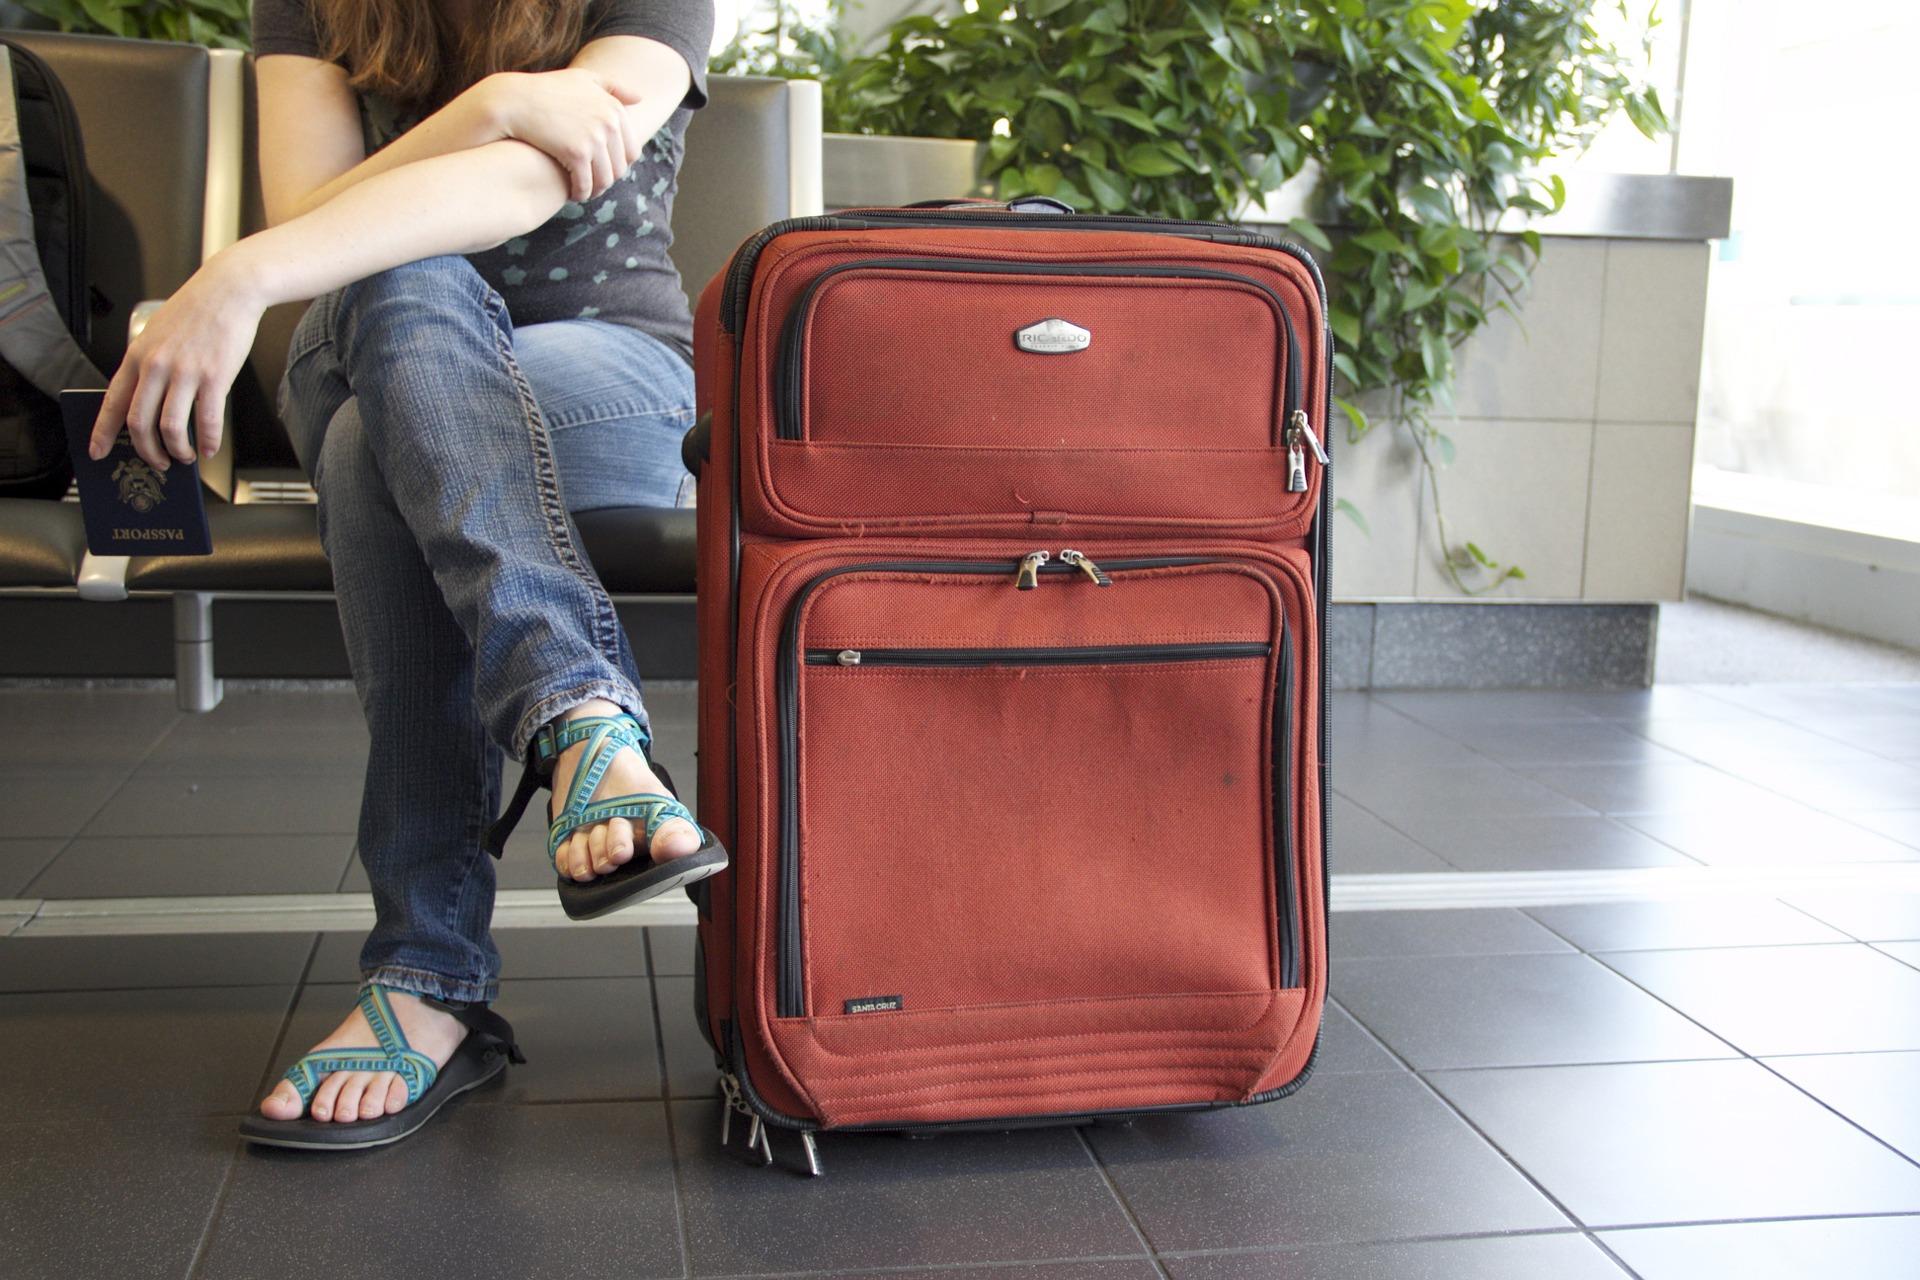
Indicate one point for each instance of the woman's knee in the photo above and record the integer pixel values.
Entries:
(445, 281)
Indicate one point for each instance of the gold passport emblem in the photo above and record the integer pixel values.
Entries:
(140, 484)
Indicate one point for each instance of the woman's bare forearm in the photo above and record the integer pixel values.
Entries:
(472, 119)
(461, 202)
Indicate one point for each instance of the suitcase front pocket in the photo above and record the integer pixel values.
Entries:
(1030, 819)
(982, 353)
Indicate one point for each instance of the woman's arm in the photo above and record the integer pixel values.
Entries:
(185, 360)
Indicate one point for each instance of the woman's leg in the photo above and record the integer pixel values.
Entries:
(453, 427)
(618, 401)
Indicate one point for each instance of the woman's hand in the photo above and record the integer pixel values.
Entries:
(181, 367)
(574, 116)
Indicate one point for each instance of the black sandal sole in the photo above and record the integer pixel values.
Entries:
(638, 881)
(471, 1066)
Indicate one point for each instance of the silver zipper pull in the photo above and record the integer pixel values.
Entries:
(1086, 566)
(1300, 432)
(1028, 576)
(848, 657)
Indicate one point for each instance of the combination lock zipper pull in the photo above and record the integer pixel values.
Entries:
(1300, 432)
(1086, 566)
(1028, 576)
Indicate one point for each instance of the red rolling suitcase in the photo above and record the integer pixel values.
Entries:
(1013, 561)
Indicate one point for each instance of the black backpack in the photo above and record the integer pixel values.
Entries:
(45, 301)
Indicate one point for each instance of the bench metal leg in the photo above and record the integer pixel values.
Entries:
(195, 685)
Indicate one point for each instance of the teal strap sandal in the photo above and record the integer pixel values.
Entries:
(636, 881)
(484, 1054)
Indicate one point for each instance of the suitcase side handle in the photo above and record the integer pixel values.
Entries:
(694, 446)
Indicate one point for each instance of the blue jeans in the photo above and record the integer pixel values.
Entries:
(449, 449)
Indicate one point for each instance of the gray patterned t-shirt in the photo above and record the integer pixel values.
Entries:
(605, 258)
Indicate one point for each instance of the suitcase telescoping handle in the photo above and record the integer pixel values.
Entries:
(1019, 204)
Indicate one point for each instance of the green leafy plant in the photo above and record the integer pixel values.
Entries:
(219, 24)
(1426, 121)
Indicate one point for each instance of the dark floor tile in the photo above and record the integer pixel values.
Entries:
(1560, 1255)
(90, 1197)
(196, 746)
(586, 1039)
(1350, 1158)
(481, 1190)
(691, 1071)
(1732, 744)
(1444, 707)
(1110, 1269)
(1857, 1248)
(1641, 1143)
(331, 708)
(1347, 1047)
(34, 962)
(1683, 923)
(181, 1053)
(1411, 797)
(1660, 702)
(1896, 737)
(563, 951)
(1559, 742)
(1649, 788)
(1838, 785)
(1776, 833)
(1907, 953)
(1542, 842)
(22, 860)
(1485, 1011)
(43, 803)
(1361, 843)
(885, 1201)
(1780, 1000)
(672, 947)
(1471, 932)
(102, 726)
(1880, 1092)
(192, 866)
(231, 805)
(1898, 824)
(1871, 915)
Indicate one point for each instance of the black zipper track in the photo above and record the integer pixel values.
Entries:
(790, 393)
(1085, 655)
(790, 985)
(79, 316)
(733, 293)
(1283, 852)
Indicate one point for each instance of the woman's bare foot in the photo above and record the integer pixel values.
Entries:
(346, 1096)
(603, 846)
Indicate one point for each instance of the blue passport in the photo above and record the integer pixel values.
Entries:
(131, 509)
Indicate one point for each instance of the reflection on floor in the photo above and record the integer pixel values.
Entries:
(1715, 1086)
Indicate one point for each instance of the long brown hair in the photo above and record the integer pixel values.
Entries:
(406, 50)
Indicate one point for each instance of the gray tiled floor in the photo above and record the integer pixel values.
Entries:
(1500, 1092)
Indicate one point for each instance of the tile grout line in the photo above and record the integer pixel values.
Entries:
(1120, 1200)
(666, 1103)
(1476, 1130)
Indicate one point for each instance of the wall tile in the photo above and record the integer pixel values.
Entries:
(1379, 476)
(1637, 511)
(1518, 490)
(1656, 299)
(1545, 363)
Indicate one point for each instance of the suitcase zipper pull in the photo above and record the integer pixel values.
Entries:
(848, 657)
(1086, 566)
(1300, 430)
(1028, 576)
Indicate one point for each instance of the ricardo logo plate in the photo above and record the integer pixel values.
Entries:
(1052, 336)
